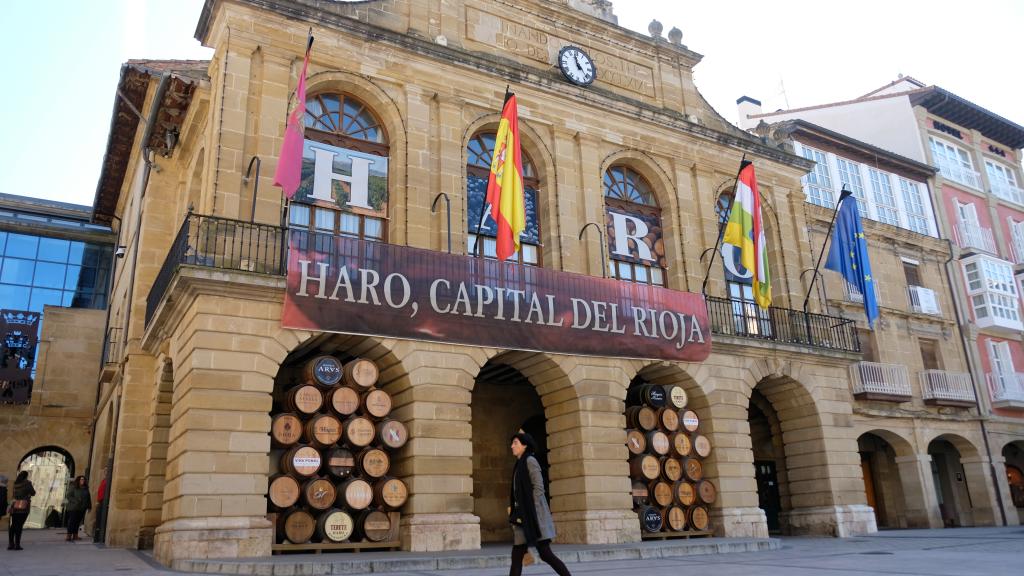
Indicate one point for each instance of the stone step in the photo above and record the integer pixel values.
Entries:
(490, 556)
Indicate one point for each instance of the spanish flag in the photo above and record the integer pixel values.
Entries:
(505, 184)
(745, 231)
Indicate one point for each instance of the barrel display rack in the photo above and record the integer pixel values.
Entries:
(332, 442)
(670, 494)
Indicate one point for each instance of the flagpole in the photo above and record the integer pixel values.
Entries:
(843, 195)
(721, 228)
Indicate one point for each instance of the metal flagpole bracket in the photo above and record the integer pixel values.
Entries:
(600, 235)
(255, 186)
(448, 210)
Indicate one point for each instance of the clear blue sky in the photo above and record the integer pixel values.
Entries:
(62, 59)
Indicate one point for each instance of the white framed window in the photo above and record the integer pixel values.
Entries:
(1000, 358)
(885, 200)
(1016, 239)
(1003, 182)
(992, 289)
(818, 182)
(849, 175)
(954, 163)
(913, 203)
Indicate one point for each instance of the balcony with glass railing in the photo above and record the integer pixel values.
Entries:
(941, 388)
(877, 381)
(1007, 389)
(975, 237)
(1007, 191)
(960, 174)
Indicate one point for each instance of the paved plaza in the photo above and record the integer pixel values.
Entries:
(951, 552)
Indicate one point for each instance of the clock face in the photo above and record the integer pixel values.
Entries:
(576, 66)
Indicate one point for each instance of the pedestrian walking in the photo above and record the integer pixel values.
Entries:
(529, 514)
(78, 503)
(21, 504)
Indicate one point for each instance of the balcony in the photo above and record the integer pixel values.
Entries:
(960, 174)
(731, 317)
(1007, 389)
(885, 382)
(997, 313)
(113, 348)
(223, 243)
(923, 300)
(941, 388)
(973, 237)
(1007, 191)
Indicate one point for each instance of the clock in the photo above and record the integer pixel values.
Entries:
(576, 66)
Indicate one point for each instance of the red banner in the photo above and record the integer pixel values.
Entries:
(338, 284)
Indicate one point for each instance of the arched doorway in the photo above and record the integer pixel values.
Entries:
(504, 401)
(950, 479)
(50, 468)
(769, 460)
(1014, 455)
(882, 484)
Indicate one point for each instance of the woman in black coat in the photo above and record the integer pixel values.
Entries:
(78, 503)
(531, 520)
(21, 504)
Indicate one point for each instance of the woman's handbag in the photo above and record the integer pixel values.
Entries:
(19, 505)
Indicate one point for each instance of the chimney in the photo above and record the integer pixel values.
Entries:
(748, 107)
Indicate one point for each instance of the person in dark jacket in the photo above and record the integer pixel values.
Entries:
(529, 514)
(21, 504)
(3, 495)
(78, 503)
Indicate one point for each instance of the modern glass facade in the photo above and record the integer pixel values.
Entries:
(39, 270)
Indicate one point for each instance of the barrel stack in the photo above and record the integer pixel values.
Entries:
(666, 455)
(332, 441)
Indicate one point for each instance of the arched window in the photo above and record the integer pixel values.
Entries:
(636, 248)
(478, 167)
(348, 195)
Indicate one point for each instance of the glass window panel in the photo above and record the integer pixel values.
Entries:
(53, 249)
(3, 242)
(349, 224)
(529, 254)
(91, 257)
(72, 276)
(849, 174)
(625, 271)
(101, 280)
(76, 252)
(298, 215)
(99, 301)
(641, 274)
(42, 296)
(372, 228)
(21, 246)
(17, 271)
(14, 297)
(324, 219)
(67, 298)
(657, 277)
(49, 275)
(87, 278)
(490, 247)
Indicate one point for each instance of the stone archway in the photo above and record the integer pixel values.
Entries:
(960, 481)
(50, 469)
(1013, 454)
(883, 482)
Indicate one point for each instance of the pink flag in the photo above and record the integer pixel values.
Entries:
(289, 163)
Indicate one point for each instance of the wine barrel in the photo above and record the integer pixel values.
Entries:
(392, 434)
(698, 518)
(376, 403)
(681, 445)
(322, 430)
(354, 493)
(707, 491)
(319, 494)
(284, 491)
(690, 421)
(359, 431)
(285, 429)
(660, 493)
(373, 463)
(672, 469)
(342, 401)
(693, 469)
(658, 442)
(636, 442)
(361, 374)
(685, 493)
(675, 518)
(644, 466)
(642, 417)
(701, 445)
(677, 397)
(390, 493)
(322, 371)
(668, 417)
(305, 399)
(373, 525)
(639, 493)
(334, 526)
(650, 519)
(653, 395)
(301, 461)
(339, 462)
(297, 525)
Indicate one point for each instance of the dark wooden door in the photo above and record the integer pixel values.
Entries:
(768, 492)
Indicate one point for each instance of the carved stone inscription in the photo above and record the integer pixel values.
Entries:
(529, 42)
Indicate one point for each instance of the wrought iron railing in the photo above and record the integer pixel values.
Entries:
(733, 317)
(942, 385)
(224, 243)
(113, 347)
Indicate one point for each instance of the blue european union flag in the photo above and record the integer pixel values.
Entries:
(849, 255)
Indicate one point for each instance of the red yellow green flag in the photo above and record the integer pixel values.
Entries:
(745, 231)
(505, 183)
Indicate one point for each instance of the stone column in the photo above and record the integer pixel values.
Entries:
(920, 502)
(978, 476)
(1009, 510)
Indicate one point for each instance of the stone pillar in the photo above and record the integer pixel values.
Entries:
(920, 502)
(1009, 510)
(978, 476)
(156, 452)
